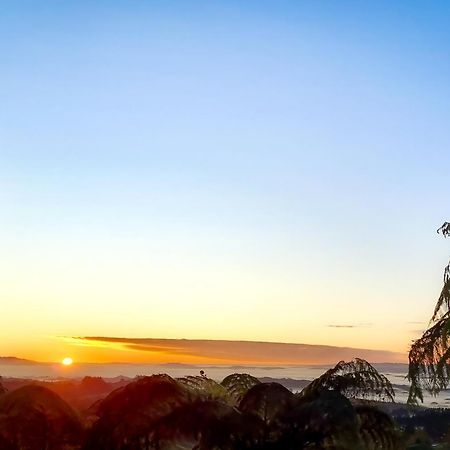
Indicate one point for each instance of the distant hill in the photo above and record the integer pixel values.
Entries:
(15, 361)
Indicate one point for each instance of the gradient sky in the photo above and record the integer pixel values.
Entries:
(263, 170)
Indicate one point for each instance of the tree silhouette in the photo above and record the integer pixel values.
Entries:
(429, 355)
(237, 384)
(35, 418)
(205, 387)
(127, 417)
(3, 390)
(376, 429)
(207, 425)
(266, 400)
(319, 420)
(197, 413)
(354, 379)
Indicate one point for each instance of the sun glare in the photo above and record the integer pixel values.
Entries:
(67, 361)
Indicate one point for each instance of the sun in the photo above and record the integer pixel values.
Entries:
(67, 361)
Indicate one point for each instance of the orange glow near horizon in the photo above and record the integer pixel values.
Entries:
(190, 351)
(208, 352)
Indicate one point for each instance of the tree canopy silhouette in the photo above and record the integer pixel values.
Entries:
(35, 418)
(237, 384)
(128, 415)
(353, 379)
(429, 355)
(270, 417)
(196, 413)
(204, 386)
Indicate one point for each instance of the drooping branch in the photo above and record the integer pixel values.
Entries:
(354, 379)
(429, 356)
(428, 360)
(443, 304)
(444, 229)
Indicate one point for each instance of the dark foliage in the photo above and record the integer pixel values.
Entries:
(35, 418)
(429, 356)
(128, 415)
(209, 424)
(3, 390)
(376, 429)
(237, 384)
(204, 386)
(434, 422)
(354, 379)
(196, 413)
(266, 400)
(319, 420)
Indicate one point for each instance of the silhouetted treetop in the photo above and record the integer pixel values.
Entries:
(132, 411)
(204, 386)
(266, 400)
(354, 379)
(237, 384)
(323, 419)
(33, 418)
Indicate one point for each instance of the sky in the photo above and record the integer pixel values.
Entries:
(257, 171)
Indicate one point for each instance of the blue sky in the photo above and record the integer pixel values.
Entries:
(284, 162)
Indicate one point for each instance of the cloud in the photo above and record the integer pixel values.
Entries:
(355, 325)
(237, 352)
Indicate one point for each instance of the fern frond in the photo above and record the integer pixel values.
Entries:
(377, 429)
(205, 387)
(354, 379)
(237, 384)
(429, 356)
(429, 360)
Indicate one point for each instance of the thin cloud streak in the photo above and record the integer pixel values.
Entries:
(356, 325)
